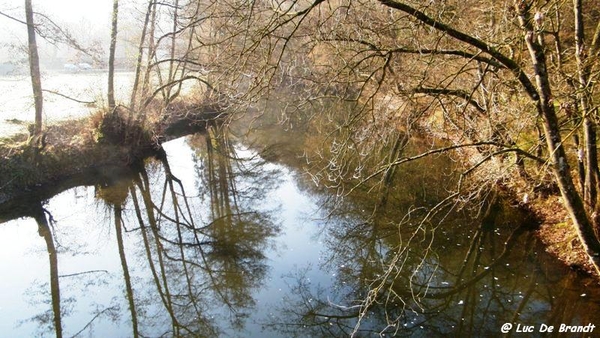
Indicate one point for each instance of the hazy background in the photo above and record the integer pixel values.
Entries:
(88, 22)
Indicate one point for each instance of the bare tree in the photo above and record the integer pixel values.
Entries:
(111, 55)
(34, 68)
(486, 77)
(469, 81)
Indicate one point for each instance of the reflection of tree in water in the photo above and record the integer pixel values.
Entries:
(171, 260)
(413, 270)
(116, 195)
(53, 319)
(238, 232)
(188, 263)
(198, 261)
(60, 307)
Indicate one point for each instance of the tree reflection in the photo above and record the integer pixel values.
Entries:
(188, 262)
(405, 262)
(238, 232)
(116, 195)
(61, 308)
(39, 214)
(204, 256)
(427, 273)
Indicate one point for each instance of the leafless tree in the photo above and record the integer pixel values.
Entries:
(111, 55)
(477, 74)
(491, 79)
(34, 68)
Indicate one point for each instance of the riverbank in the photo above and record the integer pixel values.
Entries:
(538, 196)
(71, 148)
(559, 236)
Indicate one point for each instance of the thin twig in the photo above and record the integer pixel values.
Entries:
(68, 97)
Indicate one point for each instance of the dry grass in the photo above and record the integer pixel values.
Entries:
(69, 148)
(106, 138)
(559, 236)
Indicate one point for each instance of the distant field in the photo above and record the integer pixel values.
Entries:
(16, 108)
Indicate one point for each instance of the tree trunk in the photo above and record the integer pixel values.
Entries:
(583, 94)
(34, 68)
(111, 56)
(151, 53)
(591, 160)
(560, 167)
(172, 67)
(138, 64)
(541, 94)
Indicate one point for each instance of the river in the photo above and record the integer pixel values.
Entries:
(213, 240)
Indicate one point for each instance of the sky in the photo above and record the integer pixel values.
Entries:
(81, 17)
(95, 11)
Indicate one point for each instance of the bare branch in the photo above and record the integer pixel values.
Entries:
(451, 92)
(67, 97)
(13, 18)
(470, 40)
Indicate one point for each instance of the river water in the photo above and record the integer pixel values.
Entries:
(213, 240)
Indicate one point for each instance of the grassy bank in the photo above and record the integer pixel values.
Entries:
(68, 148)
(76, 147)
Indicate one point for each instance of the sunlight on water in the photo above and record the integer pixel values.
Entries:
(89, 263)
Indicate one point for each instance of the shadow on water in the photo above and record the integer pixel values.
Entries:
(192, 245)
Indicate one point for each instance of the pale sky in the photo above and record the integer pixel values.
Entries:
(85, 19)
(71, 11)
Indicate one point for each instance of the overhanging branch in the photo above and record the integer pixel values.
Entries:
(451, 92)
(470, 40)
(435, 151)
(421, 51)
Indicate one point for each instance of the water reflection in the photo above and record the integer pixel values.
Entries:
(190, 254)
(406, 259)
(198, 260)
(208, 239)
(39, 214)
(443, 277)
